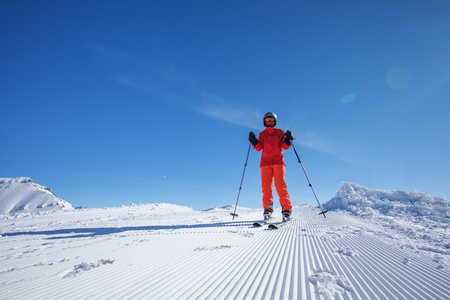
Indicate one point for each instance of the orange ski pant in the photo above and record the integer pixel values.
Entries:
(276, 173)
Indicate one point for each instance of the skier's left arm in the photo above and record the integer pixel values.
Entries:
(287, 139)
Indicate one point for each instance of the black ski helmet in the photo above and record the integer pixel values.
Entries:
(270, 114)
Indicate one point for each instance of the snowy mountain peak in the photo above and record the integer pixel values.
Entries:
(22, 194)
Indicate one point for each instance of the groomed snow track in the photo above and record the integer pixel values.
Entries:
(309, 258)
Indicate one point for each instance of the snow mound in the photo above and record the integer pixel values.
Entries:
(365, 202)
(21, 194)
(330, 285)
(416, 221)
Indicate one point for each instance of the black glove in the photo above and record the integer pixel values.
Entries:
(252, 138)
(288, 137)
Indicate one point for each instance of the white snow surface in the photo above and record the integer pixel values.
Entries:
(21, 194)
(361, 250)
(420, 218)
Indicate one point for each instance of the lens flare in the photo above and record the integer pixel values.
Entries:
(398, 78)
(348, 98)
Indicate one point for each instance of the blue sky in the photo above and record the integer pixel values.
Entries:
(118, 102)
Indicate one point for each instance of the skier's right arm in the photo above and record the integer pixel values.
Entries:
(252, 138)
(258, 143)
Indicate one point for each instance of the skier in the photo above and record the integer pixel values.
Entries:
(273, 167)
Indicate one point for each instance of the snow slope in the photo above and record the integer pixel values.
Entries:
(21, 194)
(164, 251)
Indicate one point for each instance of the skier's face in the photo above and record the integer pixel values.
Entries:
(270, 121)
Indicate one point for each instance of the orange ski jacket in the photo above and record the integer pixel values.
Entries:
(271, 141)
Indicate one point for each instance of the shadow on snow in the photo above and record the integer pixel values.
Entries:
(99, 231)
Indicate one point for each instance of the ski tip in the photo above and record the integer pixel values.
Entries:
(271, 226)
(256, 224)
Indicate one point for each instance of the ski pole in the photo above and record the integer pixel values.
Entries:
(240, 187)
(323, 212)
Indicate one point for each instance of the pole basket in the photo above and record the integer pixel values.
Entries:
(323, 212)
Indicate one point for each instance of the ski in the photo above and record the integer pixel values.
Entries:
(267, 219)
(278, 225)
(286, 219)
(261, 223)
(274, 225)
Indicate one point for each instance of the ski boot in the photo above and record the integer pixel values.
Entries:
(267, 214)
(286, 215)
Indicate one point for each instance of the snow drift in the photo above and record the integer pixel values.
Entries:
(365, 202)
(21, 194)
(421, 221)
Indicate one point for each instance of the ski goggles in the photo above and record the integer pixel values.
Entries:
(270, 119)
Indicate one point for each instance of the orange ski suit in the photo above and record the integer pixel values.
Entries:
(273, 167)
